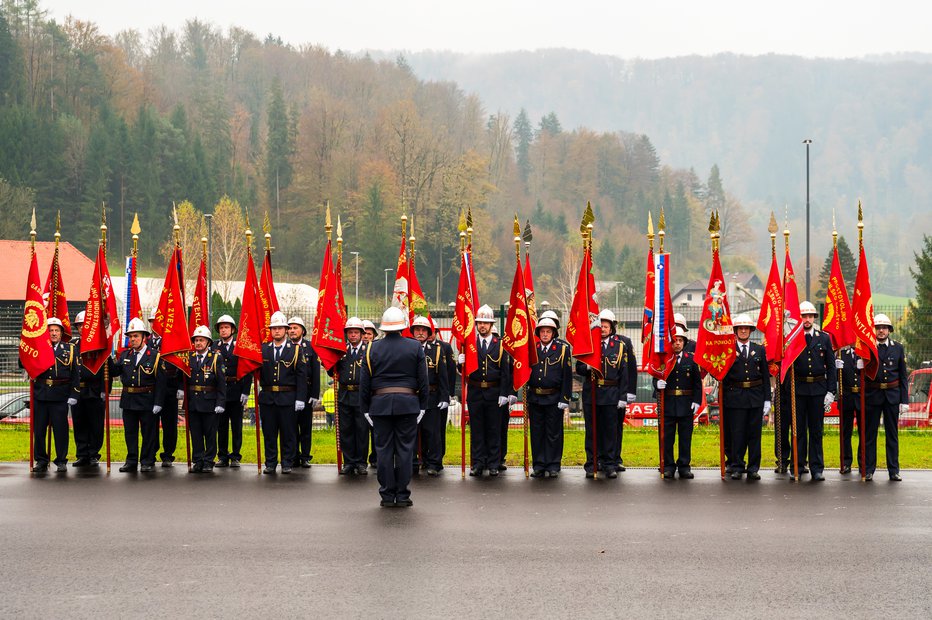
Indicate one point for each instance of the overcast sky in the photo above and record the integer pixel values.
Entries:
(645, 28)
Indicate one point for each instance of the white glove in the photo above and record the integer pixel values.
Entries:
(502, 401)
(103, 396)
(661, 384)
(443, 406)
(839, 363)
(622, 404)
(766, 407)
(904, 408)
(512, 400)
(859, 364)
(242, 399)
(299, 405)
(314, 402)
(157, 409)
(563, 406)
(218, 409)
(694, 407)
(368, 419)
(632, 397)
(420, 416)
(72, 401)
(179, 395)
(461, 358)
(829, 398)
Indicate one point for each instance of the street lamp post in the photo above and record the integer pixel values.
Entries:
(807, 142)
(210, 260)
(386, 285)
(356, 311)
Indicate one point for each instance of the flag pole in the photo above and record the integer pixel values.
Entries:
(103, 245)
(463, 227)
(524, 415)
(255, 376)
(778, 429)
(841, 391)
(862, 436)
(587, 246)
(786, 237)
(176, 232)
(531, 315)
(411, 242)
(661, 224)
(328, 227)
(715, 234)
(52, 310)
(32, 382)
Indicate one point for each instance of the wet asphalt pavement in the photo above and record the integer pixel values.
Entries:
(235, 544)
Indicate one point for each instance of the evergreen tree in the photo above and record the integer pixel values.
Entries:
(279, 146)
(714, 191)
(550, 125)
(524, 135)
(849, 269)
(917, 328)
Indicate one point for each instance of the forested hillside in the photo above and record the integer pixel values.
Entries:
(870, 121)
(142, 120)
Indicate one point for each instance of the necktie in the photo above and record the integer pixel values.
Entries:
(744, 351)
(604, 346)
(200, 361)
(278, 353)
(883, 347)
(483, 348)
(808, 339)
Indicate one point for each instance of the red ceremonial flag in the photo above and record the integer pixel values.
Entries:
(170, 320)
(400, 291)
(794, 340)
(647, 323)
(769, 322)
(464, 315)
(341, 300)
(866, 338)
(416, 301)
(529, 295)
(35, 347)
(583, 330)
(198, 314)
(101, 322)
(716, 347)
(58, 307)
(327, 338)
(517, 337)
(131, 307)
(837, 322)
(249, 330)
(267, 297)
(660, 357)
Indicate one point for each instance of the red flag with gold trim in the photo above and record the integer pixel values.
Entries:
(866, 338)
(198, 314)
(249, 329)
(58, 307)
(35, 347)
(517, 338)
(769, 322)
(716, 347)
(464, 315)
(794, 340)
(837, 322)
(268, 300)
(327, 338)
(583, 330)
(170, 317)
(101, 321)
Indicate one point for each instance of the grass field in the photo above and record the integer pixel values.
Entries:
(640, 447)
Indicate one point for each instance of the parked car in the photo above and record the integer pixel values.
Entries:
(14, 405)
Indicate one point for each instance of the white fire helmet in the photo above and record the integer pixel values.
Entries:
(79, 318)
(202, 331)
(136, 326)
(423, 321)
(278, 320)
(883, 319)
(550, 314)
(807, 308)
(679, 319)
(354, 323)
(226, 318)
(485, 314)
(393, 320)
(744, 320)
(296, 320)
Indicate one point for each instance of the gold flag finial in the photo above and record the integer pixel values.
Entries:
(135, 229)
(339, 228)
(175, 213)
(528, 235)
(411, 237)
(32, 222)
(468, 218)
(462, 222)
(517, 228)
(773, 227)
(650, 225)
(662, 223)
(327, 221)
(712, 223)
(587, 218)
(860, 215)
(266, 224)
(58, 224)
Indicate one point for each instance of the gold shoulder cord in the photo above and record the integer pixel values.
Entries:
(368, 361)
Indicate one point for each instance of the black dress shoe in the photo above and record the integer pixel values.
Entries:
(668, 475)
(736, 475)
(128, 468)
(537, 473)
(167, 463)
(895, 478)
(197, 469)
(82, 462)
(554, 474)
(147, 468)
(404, 503)
(753, 475)
(40, 469)
(362, 470)
(687, 475)
(780, 469)
(431, 471)
(347, 470)
(387, 503)
(234, 463)
(222, 463)
(286, 469)
(590, 475)
(94, 462)
(268, 469)
(502, 467)
(208, 468)
(475, 471)
(846, 469)
(818, 478)
(610, 473)
(493, 472)
(803, 469)
(305, 463)
(61, 468)
(619, 468)
(869, 477)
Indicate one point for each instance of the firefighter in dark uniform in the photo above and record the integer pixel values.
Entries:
(207, 390)
(629, 364)
(487, 392)
(143, 387)
(172, 395)
(850, 405)
(746, 400)
(305, 419)
(230, 420)
(56, 389)
(88, 414)
(682, 394)
(354, 430)
(393, 393)
(816, 382)
(448, 359)
(887, 398)
(370, 333)
(611, 396)
(431, 427)
(548, 396)
(283, 378)
(506, 417)
(680, 320)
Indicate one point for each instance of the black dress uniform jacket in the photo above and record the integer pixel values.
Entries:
(613, 385)
(850, 381)
(890, 385)
(814, 369)
(388, 363)
(62, 380)
(686, 376)
(752, 370)
(494, 370)
(350, 368)
(230, 361)
(438, 376)
(551, 379)
(290, 370)
(143, 375)
(207, 386)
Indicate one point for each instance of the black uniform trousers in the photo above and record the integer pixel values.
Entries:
(546, 422)
(354, 436)
(606, 430)
(230, 425)
(88, 418)
(746, 425)
(395, 436)
(619, 437)
(168, 419)
(682, 426)
(148, 422)
(278, 420)
(430, 441)
(203, 437)
(304, 421)
(891, 420)
(848, 417)
(54, 413)
(810, 420)
(485, 433)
